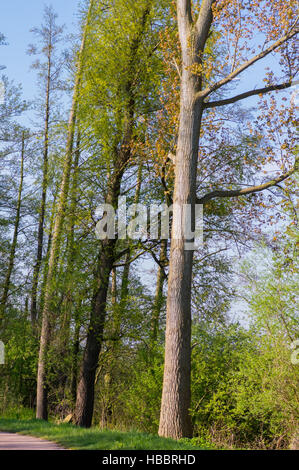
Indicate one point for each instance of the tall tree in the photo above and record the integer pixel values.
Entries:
(11, 261)
(49, 37)
(194, 31)
(128, 89)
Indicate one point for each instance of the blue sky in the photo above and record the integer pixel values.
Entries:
(17, 18)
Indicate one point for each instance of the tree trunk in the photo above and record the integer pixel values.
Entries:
(106, 413)
(85, 391)
(114, 287)
(67, 303)
(117, 314)
(40, 237)
(75, 353)
(11, 260)
(175, 420)
(47, 316)
(159, 293)
(47, 256)
(124, 292)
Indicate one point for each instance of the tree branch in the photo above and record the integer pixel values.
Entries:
(248, 190)
(242, 96)
(184, 18)
(145, 250)
(203, 24)
(202, 94)
(162, 266)
(130, 261)
(184, 9)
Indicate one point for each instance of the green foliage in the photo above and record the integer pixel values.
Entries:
(17, 412)
(112, 77)
(143, 396)
(217, 356)
(244, 389)
(18, 374)
(244, 383)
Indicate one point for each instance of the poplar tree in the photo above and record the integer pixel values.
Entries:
(49, 36)
(11, 260)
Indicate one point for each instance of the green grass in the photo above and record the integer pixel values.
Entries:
(73, 437)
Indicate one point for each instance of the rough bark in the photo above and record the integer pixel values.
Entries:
(175, 420)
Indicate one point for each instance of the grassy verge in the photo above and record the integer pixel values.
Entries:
(73, 437)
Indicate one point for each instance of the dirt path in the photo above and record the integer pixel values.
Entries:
(10, 441)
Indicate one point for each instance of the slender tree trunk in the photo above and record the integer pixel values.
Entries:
(85, 391)
(47, 315)
(117, 312)
(106, 413)
(115, 309)
(75, 353)
(40, 236)
(124, 292)
(11, 260)
(159, 293)
(47, 256)
(113, 287)
(71, 253)
(68, 296)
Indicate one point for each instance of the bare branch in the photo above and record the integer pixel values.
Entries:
(247, 94)
(250, 189)
(130, 261)
(147, 249)
(202, 94)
